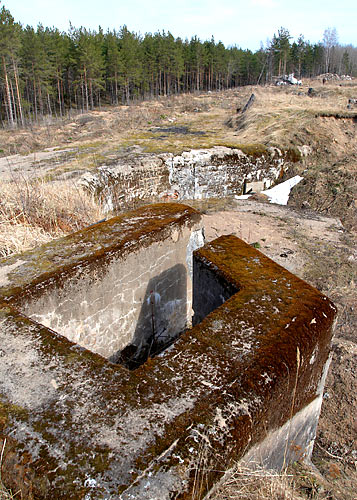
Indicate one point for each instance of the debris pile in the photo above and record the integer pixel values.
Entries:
(325, 77)
(288, 80)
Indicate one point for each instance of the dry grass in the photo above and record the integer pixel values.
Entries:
(34, 212)
(282, 116)
(245, 484)
(288, 116)
(297, 482)
(5, 494)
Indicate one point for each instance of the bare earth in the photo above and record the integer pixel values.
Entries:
(32, 165)
(275, 229)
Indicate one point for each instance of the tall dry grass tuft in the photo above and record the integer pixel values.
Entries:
(5, 494)
(244, 484)
(34, 212)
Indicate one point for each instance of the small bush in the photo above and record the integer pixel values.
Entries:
(293, 155)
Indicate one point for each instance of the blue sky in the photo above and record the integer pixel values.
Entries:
(245, 23)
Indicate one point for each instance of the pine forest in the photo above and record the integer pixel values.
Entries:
(49, 72)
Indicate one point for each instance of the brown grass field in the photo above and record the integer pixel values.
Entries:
(280, 116)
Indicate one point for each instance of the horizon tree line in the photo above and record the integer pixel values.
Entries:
(51, 72)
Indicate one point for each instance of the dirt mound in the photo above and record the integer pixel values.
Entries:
(333, 77)
(330, 190)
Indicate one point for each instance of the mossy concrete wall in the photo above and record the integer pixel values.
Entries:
(195, 174)
(74, 425)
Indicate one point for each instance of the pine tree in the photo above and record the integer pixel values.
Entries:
(49, 72)
(9, 46)
(132, 63)
(36, 71)
(57, 49)
(297, 54)
(150, 65)
(281, 47)
(113, 65)
(90, 65)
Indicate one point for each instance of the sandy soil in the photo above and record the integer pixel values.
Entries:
(274, 228)
(32, 165)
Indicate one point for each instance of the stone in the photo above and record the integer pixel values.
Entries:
(311, 92)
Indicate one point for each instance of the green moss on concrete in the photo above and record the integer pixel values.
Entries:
(106, 423)
(253, 150)
(8, 411)
(338, 115)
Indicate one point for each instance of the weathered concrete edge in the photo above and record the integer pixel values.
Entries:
(217, 421)
(276, 424)
(125, 233)
(291, 442)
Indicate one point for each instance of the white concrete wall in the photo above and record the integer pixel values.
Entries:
(195, 174)
(104, 310)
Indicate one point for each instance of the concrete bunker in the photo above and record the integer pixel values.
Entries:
(128, 306)
(195, 174)
(245, 383)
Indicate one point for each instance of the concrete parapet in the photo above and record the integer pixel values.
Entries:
(195, 174)
(245, 383)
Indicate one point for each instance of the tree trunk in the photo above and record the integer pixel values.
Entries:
(49, 104)
(8, 96)
(34, 92)
(59, 96)
(86, 89)
(41, 100)
(18, 94)
(35, 99)
(13, 102)
(91, 94)
(116, 89)
(83, 96)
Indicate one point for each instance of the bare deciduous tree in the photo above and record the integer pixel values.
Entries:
(330, 40)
